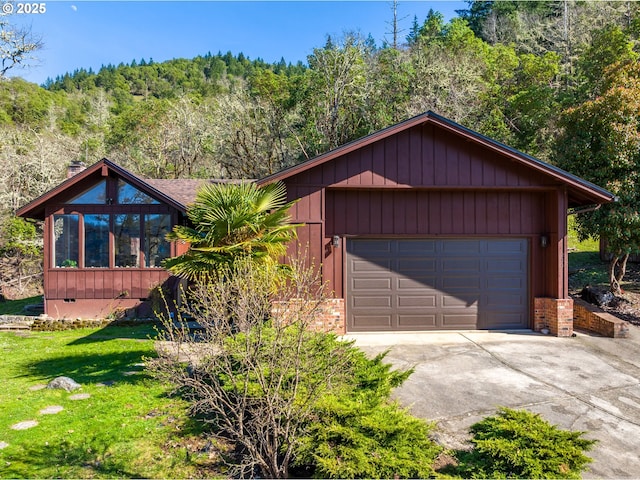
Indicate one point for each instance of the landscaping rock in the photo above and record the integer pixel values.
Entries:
(64, 383)
(24, 425)
(51, 410)
(79, 396)
(597, 296)
(35, 388)
(3, 445)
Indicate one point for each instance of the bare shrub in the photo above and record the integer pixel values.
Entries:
(253, 372)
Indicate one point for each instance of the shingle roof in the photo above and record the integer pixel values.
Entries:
(183, 190)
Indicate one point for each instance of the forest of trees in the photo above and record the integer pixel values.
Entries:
(529, 74)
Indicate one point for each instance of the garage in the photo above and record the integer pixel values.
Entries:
(436, 284)
(427, 225)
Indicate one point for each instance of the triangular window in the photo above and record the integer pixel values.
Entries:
(96, 195)
(128, 194)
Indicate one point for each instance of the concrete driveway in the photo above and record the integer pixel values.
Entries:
(586, 383)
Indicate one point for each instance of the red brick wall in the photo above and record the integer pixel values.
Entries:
(556, 314)
(329, 316)
(591, 318)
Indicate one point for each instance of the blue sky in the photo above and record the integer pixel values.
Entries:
(83, 34)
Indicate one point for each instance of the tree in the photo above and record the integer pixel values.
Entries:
(17, 44)
(232, 222)
(600, 142)
(337, 93)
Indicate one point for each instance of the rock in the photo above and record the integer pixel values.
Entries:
(597, 296)
(24, 425)
(64, 383)
(51, 410)
(79, 396)
(3, 445)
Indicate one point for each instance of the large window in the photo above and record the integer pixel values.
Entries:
(114, 224)
(96, 240)
(95, 195)
(156, 246)
(128, 194)
(65, 245)
(127, 240)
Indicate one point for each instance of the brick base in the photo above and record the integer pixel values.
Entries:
(556, 314)
(591, 318)
(328, 317)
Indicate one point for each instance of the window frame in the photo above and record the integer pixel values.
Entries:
(110, 208)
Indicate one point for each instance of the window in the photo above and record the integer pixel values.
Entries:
(65, 245)
(96, 241)
(156, 246)
(128, 194)
(126, 229)
(96, 195)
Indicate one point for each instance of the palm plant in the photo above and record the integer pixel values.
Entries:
(231, 222)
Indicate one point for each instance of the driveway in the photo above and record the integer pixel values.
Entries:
(585, 383)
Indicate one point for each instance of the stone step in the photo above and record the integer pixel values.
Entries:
(14, 326)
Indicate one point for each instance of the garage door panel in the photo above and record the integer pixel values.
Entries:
(371, 247)
(504, 321)
(405, 301)
(369, 266)
(459, 321)
(421, 247)
(505, 247)
(462, 302)
(506, 283)
(461, 247)
(378, 301)
(412, 322)
(500, 301)
(499, 266)
(370, 284)
(430, 284)
(411, 265)
(372, 322)
(470, 265)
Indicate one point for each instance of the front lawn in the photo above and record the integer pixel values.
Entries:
(128, 427)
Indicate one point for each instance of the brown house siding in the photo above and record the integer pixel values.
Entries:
(428, 182)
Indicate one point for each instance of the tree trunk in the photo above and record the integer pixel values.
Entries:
(617, 269)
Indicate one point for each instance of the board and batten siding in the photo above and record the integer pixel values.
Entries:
(428, 182)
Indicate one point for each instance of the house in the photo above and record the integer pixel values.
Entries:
(104, 239)
(425, 225)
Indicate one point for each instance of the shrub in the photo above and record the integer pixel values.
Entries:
(359, 433)
(282, 393)
(521, 444)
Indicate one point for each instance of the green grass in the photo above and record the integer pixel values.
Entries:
(130, 429)
(585, 266)
(16, 307)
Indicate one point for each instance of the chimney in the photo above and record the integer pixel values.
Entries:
(75, 168)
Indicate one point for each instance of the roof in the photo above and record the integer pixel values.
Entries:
(581, 192)
(177, 193)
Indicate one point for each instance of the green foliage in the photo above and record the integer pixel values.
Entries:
(359, 433)
(599, 142)
(19, 236)
(520, 444)
(232, 222)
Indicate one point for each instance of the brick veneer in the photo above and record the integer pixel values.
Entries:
(591, 318)
(556, 314)
(329, 316)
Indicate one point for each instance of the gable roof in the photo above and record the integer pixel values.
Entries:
(581, 192)
(176, 193)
